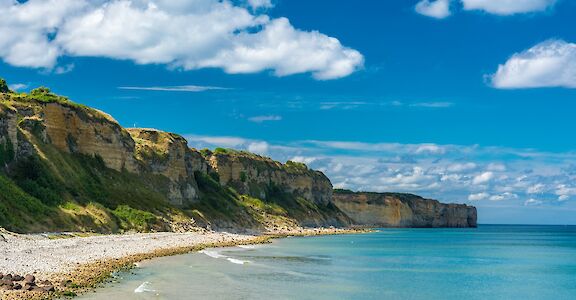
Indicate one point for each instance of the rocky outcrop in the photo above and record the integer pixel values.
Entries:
(168, 154)
(403, 210)
(261, 176)
(77, 130)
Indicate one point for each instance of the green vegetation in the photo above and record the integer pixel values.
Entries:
(295, 167)
(4, 86)
(6, 152)
(135, 219)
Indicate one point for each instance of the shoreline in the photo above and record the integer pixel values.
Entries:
(73, 274)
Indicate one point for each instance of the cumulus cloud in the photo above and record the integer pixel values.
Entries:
(508, 7)
(260, 3)
(548, 64)
(266, 118)
(259, 147)
(189, 35)
(438, 9)
(483, 178)
(478, 196)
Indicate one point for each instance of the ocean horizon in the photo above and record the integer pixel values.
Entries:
(488, 262)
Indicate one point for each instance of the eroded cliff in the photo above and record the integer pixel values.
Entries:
(70, 167)
(403, 210)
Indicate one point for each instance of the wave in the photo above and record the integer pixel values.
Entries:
(212, 253)
(238, 261)
(248, 246)
(143, 288)
(216, 254)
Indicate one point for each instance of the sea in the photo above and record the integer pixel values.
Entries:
(488, 262)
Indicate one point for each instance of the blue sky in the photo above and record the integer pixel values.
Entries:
(466, 101)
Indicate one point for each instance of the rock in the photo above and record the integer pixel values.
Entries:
(49, 288)
(7, 287)
(17, 278)
(403, 210)
(29, 278)
(45, 282)
(28, 286)
(7, 277)
(66, 283)
(17, 286)
(5, 282)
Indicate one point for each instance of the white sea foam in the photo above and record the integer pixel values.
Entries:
(212, 253)
(143, 288)
(247, 246)
(237, 261)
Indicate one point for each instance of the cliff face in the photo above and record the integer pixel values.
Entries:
(75, 168)
(66, 167)
(168, 154)
(307, 194)
(403, 210)
(259, 176)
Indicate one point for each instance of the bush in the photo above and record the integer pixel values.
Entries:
(4, 86)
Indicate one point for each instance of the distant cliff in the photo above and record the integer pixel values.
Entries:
(403, 210)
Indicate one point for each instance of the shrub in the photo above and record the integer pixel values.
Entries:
(4, 86)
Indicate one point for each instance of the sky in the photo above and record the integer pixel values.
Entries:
(467, 101)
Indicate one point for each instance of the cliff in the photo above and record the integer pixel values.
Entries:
(64, 166)
(403, 210)
(67, 167)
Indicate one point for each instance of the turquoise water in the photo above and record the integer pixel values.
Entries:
(491, 262)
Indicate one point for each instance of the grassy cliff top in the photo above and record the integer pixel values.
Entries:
(42, 96)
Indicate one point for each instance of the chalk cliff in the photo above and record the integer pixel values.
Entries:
(403, 210)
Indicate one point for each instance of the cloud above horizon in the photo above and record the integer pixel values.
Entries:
(186, 35)
(551, 63)
(438, 9)
(484, 176)
(441, 9)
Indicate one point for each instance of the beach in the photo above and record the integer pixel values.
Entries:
(73, 264)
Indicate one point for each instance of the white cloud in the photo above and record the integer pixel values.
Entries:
(536, 189)
(303, 159)
(260, 3)
(259, 148)
(460, 167)
(217, 141)
(508, 7)
(548, 64)
(504, 196)
(478, 196)
(533, 202)
(189, 35)
(266, 118)
(18, 86)
(483, 178)
(182, 88)
(430, 148)
(438, 9)
(433, 104)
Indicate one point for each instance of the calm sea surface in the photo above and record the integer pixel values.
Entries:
(491, 262)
